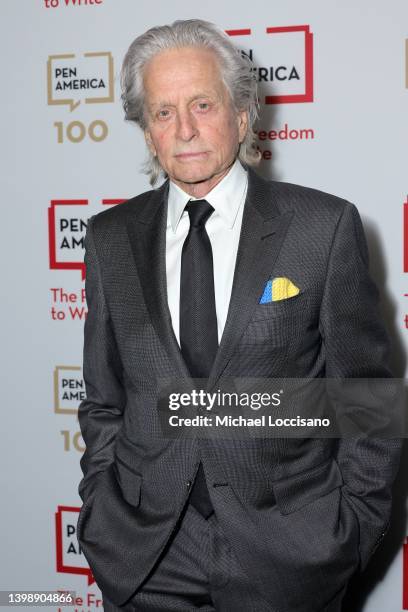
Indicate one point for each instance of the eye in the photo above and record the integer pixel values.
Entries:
(163, 113)
(203, 106)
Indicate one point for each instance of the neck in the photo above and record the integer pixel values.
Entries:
(201, 189)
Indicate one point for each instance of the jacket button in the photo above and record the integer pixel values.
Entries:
(188, 483)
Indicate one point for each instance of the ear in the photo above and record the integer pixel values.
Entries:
(242, 124)
(149, 142)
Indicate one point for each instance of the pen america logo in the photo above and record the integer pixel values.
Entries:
(69, 556)
(87, 78)
(69, 389)
(288, 77)
(67, 223)
(69, 392)
(75, 80)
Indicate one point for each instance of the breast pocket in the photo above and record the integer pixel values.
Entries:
(287, 307)
(284, 322)
(271, 332)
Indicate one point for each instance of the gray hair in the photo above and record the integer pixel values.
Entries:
(236, 73)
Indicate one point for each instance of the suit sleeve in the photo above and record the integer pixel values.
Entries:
(101, 413)
(356, 346)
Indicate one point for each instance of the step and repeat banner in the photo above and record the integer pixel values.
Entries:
(333, 81)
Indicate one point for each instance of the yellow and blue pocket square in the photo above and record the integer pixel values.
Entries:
(279, 288)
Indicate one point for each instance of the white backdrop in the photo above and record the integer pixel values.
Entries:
(340, 127)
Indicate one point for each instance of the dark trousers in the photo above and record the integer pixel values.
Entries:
(198, 570)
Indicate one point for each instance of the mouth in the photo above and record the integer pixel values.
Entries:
(190, 156)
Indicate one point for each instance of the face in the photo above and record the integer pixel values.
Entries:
(192, 126)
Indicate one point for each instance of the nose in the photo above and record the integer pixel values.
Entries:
(186, 126)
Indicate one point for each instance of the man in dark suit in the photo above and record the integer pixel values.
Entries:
(219, 274)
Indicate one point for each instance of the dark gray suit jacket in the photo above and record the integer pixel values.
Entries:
(301, 514)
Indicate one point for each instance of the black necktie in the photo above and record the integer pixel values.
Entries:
(198, 319)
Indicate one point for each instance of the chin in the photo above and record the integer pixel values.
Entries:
(194, 177)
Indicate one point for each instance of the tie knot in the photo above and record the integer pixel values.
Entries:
(199, 212)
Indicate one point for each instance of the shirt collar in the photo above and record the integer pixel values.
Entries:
(225, 198)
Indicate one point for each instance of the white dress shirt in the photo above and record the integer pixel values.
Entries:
(223, 229)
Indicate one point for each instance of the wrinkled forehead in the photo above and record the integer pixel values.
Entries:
(181, 73)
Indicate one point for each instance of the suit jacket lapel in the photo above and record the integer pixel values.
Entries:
(147, 234)
(262, 234)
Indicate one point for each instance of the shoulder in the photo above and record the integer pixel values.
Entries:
(303, 201)
(135, 208)
(317, 217)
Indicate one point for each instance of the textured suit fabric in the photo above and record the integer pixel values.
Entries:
(301, 515)
(198, 570)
